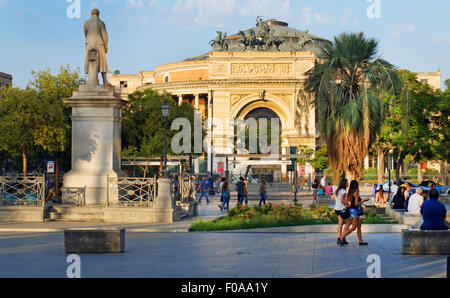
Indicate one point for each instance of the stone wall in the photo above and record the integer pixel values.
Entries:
(21, 214)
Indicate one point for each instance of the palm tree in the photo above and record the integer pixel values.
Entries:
(348, 87)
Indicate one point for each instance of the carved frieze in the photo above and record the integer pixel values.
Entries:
(261, 69)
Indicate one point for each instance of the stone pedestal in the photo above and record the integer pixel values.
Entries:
(96, 143)
(164, 200)
(418, 242)
(94, 240)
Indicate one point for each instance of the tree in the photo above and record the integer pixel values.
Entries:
(53, 134)
(320, 159)
(348, 87)
(18, 121)
(412, 123)
(447, 85)
(440, 122)
(143, 124)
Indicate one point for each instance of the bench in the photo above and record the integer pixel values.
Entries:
(403, 217)
(419, 242)
(96, 240)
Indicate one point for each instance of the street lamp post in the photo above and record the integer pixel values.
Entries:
(211, 102)
(165, 111)
(389, 159)
(164, 199)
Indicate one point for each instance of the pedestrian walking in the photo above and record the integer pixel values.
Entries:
(203, 190)
(219, 191)
(225, 194)
(341, 210)
(245, 199)
(356, 211)
(263, 192)
(240, 188)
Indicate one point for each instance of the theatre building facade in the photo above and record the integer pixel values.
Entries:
(258, 72)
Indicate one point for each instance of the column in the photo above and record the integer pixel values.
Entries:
(180, 99)
(197, 100)
(284, 171)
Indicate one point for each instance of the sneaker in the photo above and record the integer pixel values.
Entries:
(345, 241)
(363, 243)
(220, 206)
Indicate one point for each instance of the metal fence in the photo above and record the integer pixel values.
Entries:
(23, 191)
(131, 192)
(187, 188)
(74, 195)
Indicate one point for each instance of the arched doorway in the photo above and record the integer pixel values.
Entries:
(267, 122)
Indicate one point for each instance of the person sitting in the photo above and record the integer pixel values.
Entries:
(415, 202)
(434, 213)
(379, 197)
(315, 187)
(328, 190)
(399, 199)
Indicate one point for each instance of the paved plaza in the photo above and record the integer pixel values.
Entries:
(217, 255)
(175, 253)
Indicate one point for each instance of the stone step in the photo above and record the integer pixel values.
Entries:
(74, 213)
(75, 217)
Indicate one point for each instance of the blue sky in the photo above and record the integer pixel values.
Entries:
(38, 34)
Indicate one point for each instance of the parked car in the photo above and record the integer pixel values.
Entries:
(429, 184)
(393, 188)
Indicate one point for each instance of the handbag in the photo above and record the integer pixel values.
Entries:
(360, 210)
(344, 213)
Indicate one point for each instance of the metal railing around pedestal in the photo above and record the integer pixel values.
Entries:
(187, 189)
(22, 191)
(131, 192)
(75, 195)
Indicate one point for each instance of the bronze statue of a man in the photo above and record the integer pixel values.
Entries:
(96, 49)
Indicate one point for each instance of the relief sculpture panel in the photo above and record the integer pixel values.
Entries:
(261, 69)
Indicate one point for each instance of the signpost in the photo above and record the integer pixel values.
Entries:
(50, 167)
(389, 165)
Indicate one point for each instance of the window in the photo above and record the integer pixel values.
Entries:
(123, 84)
(424, 81)
(166, 79)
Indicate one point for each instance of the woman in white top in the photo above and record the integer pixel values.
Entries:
(340, 196)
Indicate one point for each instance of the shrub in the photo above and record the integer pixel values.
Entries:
(242, 217)
(371, 171)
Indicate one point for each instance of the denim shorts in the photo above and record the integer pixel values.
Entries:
(354, 213)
